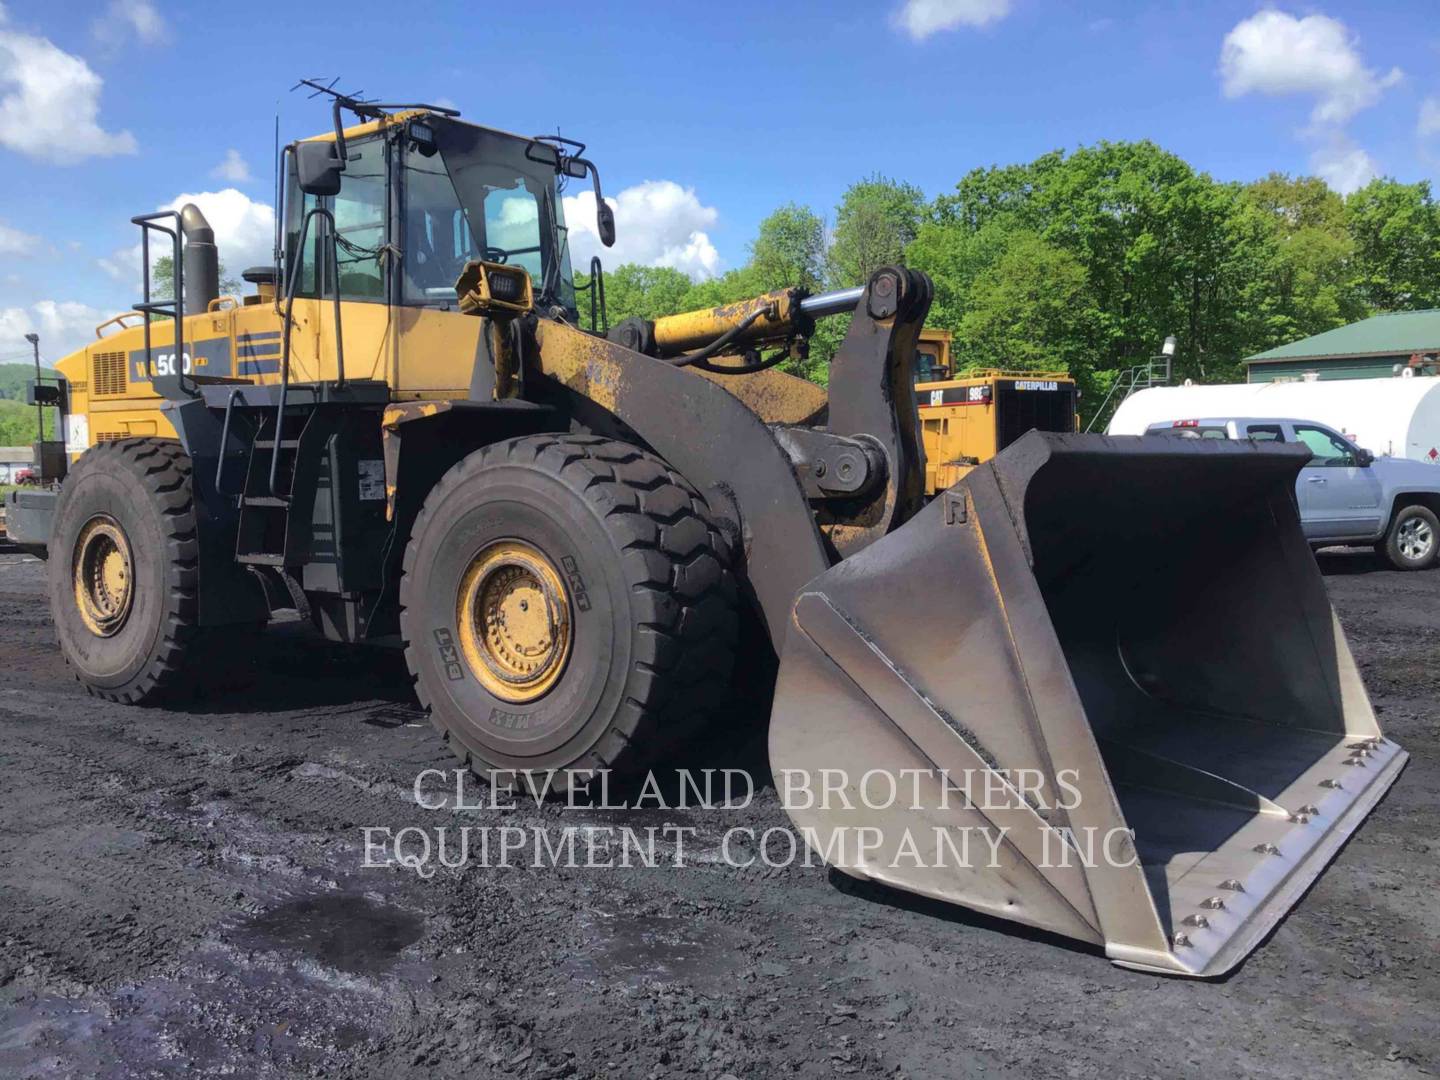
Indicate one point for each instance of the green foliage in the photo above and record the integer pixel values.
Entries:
(17, 423)
(1027, 310)
(789, 250)
(162, 279)
(1396, 232)
(876, 221)
(631, 290)
(14, 378)
(1086, 261)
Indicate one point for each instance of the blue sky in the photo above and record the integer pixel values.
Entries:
(702, 118)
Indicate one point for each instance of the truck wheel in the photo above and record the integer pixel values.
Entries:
(124, 568)
(1413, 539)
(566, 606)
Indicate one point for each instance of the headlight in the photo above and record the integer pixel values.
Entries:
(488, 288)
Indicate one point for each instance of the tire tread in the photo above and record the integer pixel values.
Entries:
(674, 557)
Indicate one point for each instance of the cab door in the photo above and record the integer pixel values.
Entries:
(1339, 498)
(438, 346)
(359, 271)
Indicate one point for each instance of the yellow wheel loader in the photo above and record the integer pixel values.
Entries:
(1114, 658)
(968, 419)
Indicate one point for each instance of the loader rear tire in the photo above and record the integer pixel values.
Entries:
(567, 608)
(124, 569)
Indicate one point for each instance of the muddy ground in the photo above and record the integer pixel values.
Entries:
(181, 893)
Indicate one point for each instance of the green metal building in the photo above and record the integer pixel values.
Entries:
(1369, 349)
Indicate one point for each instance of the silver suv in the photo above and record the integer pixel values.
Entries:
(1346, 495)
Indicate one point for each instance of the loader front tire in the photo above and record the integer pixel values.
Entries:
(124, 569)
(566, 608)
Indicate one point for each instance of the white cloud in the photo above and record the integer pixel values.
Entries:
(15, 242)
(1277, 54)
(244, 233)
(1344, 166)
(125, 17)
(657, 223)
(1429, 122)
(921, 18)
(50, 102)
(63, 326)
(233, 169)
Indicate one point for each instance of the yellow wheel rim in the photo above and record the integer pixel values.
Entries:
(103, 574)
(513, 615)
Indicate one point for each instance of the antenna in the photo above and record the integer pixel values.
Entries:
(279, 181)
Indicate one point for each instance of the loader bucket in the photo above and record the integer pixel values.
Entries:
(1096, 687)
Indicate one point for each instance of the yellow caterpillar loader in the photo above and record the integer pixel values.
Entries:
(968, 419)
(1113, 657)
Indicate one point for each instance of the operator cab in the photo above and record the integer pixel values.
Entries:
(393, 209)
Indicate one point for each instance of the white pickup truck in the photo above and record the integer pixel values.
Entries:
(1346, 494)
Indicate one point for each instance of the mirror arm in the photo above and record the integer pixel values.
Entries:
(339, 133)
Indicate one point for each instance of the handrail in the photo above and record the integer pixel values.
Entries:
(292, 281)
(228, 298)
(997, 373)
(1133, 379)
(224, 441)
(116, 320)
(597, 287)
(174, 307)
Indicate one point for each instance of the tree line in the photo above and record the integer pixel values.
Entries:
(1086, 261)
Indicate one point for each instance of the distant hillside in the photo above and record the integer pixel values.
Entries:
(13, 378)
(17, 422)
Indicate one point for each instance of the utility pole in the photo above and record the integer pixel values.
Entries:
(34, 340)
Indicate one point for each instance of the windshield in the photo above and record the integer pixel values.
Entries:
(512, 211)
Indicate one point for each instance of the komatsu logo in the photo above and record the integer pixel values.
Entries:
(1037, 384)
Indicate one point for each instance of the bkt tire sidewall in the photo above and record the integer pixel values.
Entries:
(104, 485)
(510, 503)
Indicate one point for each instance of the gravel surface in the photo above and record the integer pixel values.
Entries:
(182, 893)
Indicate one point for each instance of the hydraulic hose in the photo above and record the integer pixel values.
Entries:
(719, 344)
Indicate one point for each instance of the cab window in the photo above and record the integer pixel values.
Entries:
(1328, 448)
(512, 227)
(1265, 433)
(360, 230)
(438, 240)
(925, 366)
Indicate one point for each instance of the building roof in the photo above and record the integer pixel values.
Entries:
(1399, 333)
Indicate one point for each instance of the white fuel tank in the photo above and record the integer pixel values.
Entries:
(1397, 417)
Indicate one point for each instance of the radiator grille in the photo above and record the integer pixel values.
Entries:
(109, 436)
(107, 374)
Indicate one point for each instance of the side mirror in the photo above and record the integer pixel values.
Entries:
(1364, 458)
(577, 167)
(318, 167)
(605, 221)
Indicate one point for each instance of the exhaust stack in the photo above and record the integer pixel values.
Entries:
(202, 261)
(1116, 657)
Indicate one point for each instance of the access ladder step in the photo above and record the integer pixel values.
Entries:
(264, 500)
(261, 558)
(285, 444)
